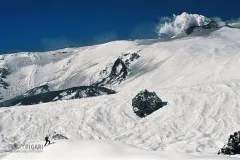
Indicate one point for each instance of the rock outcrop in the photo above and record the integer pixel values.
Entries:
(233, 145)
(145, 103)
(31, 92)
(57, 136)
(37, 90)
(3, 74)
(118, 71)
(67, 94)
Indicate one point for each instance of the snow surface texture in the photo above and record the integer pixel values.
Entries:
(197, 76)
(103, 150)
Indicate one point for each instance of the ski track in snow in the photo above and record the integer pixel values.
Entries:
(197, 76)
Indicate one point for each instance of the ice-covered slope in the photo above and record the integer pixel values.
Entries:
(197, 76)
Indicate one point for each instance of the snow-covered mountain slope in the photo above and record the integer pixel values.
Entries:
(196, 75)
(72, 67)
(104, 150)
(62, 69)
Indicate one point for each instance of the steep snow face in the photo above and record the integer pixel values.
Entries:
(197, 76)
(178, 24)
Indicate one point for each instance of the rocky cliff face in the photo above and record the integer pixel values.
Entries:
(118, 71)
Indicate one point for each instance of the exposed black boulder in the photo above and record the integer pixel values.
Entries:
(145, 103)
(67, 94)
(233, 145)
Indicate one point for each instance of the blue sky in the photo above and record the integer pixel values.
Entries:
(39, 25)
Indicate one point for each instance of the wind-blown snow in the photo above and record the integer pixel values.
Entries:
(197, 76)
(178, 24)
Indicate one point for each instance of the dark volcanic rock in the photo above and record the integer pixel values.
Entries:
(118, 71)
(213, 25)
(3, 84)
(31, 92)
(67, 94)
(233, 145)
(132, 57)
(145, 103)
(3, 74)
(57, 136)
(37, 90)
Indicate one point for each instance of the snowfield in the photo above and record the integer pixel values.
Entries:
(197, 75)
(104, 150)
